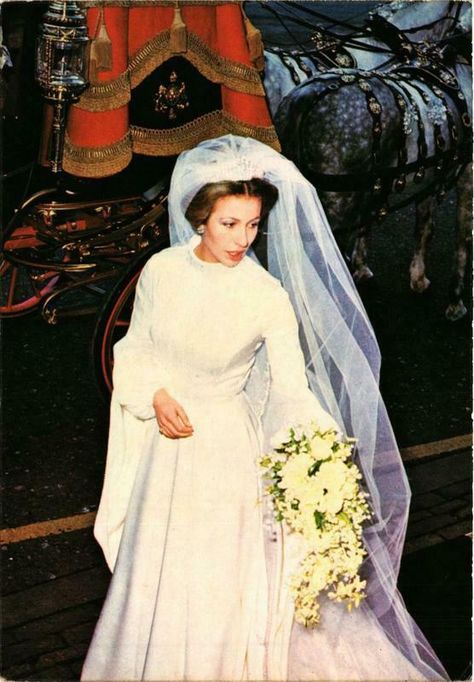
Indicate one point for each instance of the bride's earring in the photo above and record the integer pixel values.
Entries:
(200, 229)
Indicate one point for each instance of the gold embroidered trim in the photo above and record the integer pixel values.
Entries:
(215, 68)
(264, 134)
(103, 96)
(116, 93)
(97, 162)
(173, 141)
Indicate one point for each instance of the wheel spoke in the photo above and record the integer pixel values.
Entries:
(34, 285)
(21, 291)
(4, 267)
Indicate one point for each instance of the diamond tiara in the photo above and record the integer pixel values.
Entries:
(238, 168)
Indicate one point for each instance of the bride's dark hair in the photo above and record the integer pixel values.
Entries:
(203, 201)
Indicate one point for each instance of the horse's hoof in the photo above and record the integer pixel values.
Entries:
(420, 285)
(455, 311)
(362, 274)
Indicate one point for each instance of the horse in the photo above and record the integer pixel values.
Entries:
(378, 117)
(391, 29)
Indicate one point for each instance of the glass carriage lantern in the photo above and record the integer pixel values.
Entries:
(61, 66)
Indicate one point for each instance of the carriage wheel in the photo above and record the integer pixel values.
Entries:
(22, 287)
(20, 293)
(114, 318)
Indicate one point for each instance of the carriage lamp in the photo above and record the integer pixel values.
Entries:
(61, 66)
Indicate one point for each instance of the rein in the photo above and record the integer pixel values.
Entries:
(377, 27)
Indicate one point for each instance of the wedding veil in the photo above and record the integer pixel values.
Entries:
(340, 349)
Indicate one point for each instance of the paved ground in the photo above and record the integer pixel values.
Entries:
(441, 506)
(49, 613)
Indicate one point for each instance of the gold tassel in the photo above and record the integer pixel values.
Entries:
(255, 44)
(178, 34)
(100, 49)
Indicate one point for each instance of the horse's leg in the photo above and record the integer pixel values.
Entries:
(345, 209)
(359, 267)
(424, 227)
(456, 308)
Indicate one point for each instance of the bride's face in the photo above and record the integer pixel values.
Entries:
(230, 230)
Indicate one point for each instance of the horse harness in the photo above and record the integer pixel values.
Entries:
(419, 64)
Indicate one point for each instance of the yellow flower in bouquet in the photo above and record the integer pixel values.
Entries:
(321, 446)
(315, 487)
(295, 473)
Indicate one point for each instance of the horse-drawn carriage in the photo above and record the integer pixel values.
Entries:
(370, 111)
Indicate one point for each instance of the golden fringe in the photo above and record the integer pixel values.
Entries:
(107, 95)
(169, 142)
(265, 134)
(116, 93)
(97, 162)
(216, 69)
(178, 32)
(100, 48)
(254, 42)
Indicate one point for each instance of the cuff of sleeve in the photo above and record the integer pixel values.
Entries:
(144, 410)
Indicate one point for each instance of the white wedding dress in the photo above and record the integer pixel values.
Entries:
(199, 586)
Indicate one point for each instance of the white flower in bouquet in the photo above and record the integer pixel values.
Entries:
(295, 473)
(315, 488)
(321, 446)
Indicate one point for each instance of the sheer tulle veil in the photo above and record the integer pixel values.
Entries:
(341, 353)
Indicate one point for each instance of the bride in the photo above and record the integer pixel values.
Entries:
(220, 354)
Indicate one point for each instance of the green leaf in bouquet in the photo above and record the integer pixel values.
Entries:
(314, 468)
(319, 519)
(277, 492)
(344, 517)
(295, 504)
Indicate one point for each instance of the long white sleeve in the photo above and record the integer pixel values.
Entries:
(289, 383)
(137, 374)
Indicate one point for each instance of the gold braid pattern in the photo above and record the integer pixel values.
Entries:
(113, 94)
(107, 95)
(168, 142)
(96, 162)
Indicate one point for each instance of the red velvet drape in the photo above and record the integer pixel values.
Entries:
(218, 40)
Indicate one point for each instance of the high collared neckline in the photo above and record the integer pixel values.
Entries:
(205, 265)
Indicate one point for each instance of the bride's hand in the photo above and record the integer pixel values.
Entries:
(172, 420)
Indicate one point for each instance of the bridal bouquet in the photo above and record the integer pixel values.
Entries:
(314, 485)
